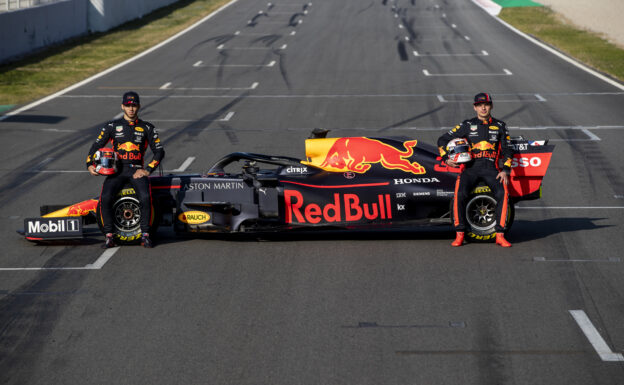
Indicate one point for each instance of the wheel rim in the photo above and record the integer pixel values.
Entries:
(481, 212)
(127, 214)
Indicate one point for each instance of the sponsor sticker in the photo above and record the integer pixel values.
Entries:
(214, 186)
(296, 170)
(520, 146)
(342, 208)
(46, 228)
(534, 161)
(194, 217)
(415, 180)
(442, 193)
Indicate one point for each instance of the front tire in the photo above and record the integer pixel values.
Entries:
(126, 218)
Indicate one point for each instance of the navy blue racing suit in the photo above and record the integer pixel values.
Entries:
(130, 140)
(489, 142)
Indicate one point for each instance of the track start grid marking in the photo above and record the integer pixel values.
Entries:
(97, 265)
(594, 337)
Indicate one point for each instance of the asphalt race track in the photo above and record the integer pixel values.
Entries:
(392, 307)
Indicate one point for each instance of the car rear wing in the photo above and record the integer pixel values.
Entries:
(528, 167)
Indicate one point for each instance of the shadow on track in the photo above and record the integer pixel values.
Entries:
(525, 231)
(432, 233)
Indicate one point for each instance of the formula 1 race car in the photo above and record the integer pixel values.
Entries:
(344, 183)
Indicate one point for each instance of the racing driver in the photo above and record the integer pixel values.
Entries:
(130, 137)
(489, 142)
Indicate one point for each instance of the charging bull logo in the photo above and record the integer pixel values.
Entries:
(484, 146)
(128, 147)
(358, 154)
(76, 210)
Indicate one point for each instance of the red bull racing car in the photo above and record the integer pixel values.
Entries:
(344, 183)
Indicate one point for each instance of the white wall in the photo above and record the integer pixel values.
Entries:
(27, 30)
(106, 14)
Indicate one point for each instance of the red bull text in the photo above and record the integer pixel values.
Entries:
(344, 208)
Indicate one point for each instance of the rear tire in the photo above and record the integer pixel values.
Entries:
(127, 218)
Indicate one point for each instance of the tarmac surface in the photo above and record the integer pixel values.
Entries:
(379, 307)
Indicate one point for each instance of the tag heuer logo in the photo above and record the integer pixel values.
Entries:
(119, 128)
(473, 127)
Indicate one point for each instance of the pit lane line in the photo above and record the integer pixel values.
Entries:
(569, 207)
(339, 129)
(222, 47)
(167, 86)
(239, 33)
(506, 72)
(332, 96)
(37, 169)
(201, 64)
(483, 53)
(608, 260)
(97, 265)
(226, 118)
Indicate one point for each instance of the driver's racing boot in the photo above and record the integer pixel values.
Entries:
(146, 241)
(459, 239)
(500, 240)
(109, 242)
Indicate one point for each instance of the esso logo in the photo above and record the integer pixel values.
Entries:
(526, 162)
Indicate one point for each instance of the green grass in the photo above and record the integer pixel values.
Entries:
(63, 65)
(587, 47)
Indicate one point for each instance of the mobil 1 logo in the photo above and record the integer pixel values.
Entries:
(64, 227)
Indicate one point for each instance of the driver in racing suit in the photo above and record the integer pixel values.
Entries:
(489, 141)
(130, 137)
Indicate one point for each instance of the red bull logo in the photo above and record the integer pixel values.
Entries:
(344, 208)
(128, 147)
(358, 154)
(484, 146)
(82, 208)
(76, 210)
